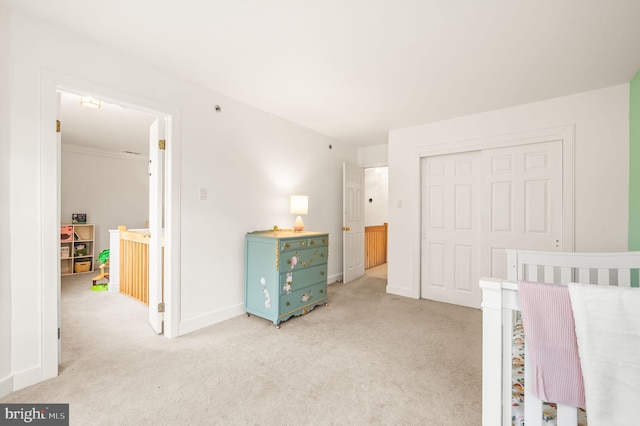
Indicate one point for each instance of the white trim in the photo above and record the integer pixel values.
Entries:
(31, 376)
(205, 320)
(374, 164)
(50, 243)
(334, 278)
(51, 82)
(101, 153)
(172, 161)
(6, 386)
(565, 133)
(498, 141)
(400, 291)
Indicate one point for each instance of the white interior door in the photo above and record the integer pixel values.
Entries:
(156, 179)
(522, 195)
(451, 228)
(352, 222)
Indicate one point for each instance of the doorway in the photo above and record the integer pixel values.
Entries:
(376, 215)
(105, 173)
(361, 186)
(51, 83)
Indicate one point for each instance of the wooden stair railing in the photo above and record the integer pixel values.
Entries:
(375, 242)
(134, 264)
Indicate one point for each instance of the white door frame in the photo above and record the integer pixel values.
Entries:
(566, 134)
(50, 83)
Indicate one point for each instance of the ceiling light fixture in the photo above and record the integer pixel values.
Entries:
(90, 102)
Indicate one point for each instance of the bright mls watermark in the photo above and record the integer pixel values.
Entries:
(34, 414)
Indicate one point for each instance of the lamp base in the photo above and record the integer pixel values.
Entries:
(298, 226)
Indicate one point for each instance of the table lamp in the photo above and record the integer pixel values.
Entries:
(299, 205)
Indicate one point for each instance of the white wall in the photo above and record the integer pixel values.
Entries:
(249, 161)
(6, 382)
(601, 120)
(373, 156)
(111, 189)
(376, 196)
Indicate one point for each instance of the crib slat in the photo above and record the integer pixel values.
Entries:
(508, 321)
(566, 275)
(532, 273)
(603, 277)
(567, 415)
(548, 274)
(624, 277)
(583, 276)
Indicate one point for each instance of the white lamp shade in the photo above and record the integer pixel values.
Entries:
(299, 204)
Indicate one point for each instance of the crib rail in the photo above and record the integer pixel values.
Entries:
(500, 306)
(566, 267)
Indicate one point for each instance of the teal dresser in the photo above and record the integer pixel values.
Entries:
(285, 273)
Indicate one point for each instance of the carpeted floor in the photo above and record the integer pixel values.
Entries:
(369, 358)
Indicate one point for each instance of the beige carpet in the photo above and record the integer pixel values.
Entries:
(369, 358)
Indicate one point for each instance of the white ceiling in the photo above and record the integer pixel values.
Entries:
(354, 69)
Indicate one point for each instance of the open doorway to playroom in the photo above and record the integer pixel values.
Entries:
(104, 183)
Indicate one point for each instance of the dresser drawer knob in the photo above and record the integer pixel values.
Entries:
(311, 242)
(322, 273)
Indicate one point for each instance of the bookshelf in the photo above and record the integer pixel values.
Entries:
(76, 248)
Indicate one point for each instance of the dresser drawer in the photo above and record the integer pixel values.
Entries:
(299, 278)
(302, 299)
(303, 258)
(293, 245)
(318, 242)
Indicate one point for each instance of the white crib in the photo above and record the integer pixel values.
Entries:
(500, 306)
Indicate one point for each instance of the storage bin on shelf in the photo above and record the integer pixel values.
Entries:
(82, 266)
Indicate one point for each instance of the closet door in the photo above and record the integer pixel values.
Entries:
(522, 192)
(451, 228)
(476, 204)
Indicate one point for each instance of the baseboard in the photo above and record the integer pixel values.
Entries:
(27, 378)
(193, 324)
(399, 291)
(6, 386)
(334, 278)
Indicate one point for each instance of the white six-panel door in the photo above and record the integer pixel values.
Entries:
(522, 191)
(451, 228)
(352, 222)
(476, 204)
